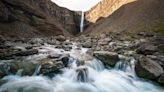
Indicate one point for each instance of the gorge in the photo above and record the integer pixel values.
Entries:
(116, 46)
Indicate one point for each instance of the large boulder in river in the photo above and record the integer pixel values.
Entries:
(148, 68)
(50, 66)
(108, 58)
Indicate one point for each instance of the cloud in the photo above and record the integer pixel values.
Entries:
(77, 5)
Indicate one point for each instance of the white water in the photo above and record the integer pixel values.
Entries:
(82, 22)
(91, 77)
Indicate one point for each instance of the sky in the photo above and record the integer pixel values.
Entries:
(77, 5)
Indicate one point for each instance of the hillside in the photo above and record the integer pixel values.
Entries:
(132, 16)
(31, 18)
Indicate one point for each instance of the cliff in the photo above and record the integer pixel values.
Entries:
(29, 18)
(126, 16)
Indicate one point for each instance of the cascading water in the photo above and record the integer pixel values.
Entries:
(82, 22)
(91, 76)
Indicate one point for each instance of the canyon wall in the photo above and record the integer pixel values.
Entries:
(29, 18)
(126, 16)
(105, 8)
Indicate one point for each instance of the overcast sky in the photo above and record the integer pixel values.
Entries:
(77, 5)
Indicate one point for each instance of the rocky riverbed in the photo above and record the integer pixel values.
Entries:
(34, 56)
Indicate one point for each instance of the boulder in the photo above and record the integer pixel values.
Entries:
(108, 58)
(54, 56)
(161, 79)
(104, 41)
(148, 68)
(65, 60)
(12, 53)
(146, 49)
(27, 52)
(60, 38)
(49, 66)
(87, 44)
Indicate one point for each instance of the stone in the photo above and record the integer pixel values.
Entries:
(148, 68)
(161, 79)
(146, 49)
(53, 56)
(49, 66)
(27, 52)
(37, 41)
(13, 53)
(65, 60)
(60, 38)
(146, 34)
(87, 44)
(67, 48)
(108, 58)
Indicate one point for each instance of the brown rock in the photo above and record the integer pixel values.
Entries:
(149, 69)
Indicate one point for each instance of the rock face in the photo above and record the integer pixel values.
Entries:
(126, 16)
(104, 9)
(29, 18)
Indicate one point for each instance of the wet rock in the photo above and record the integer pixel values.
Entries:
(50, 66)
(146, 49)
(161, 79)
(87, 44)
(108, 58)
(65, 60)
(67, 48)
(148, 68)
(53, 56)
(12, 67)
(52, 41)
(82, 74)
(60, 38)
(4, 68)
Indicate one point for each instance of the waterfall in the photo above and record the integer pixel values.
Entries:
(91, 76)
(82, 22)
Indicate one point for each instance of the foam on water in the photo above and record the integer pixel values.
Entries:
(90, 77)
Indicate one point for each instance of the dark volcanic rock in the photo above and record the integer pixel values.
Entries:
(108, 58)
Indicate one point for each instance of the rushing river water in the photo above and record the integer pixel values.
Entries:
(90, 77)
